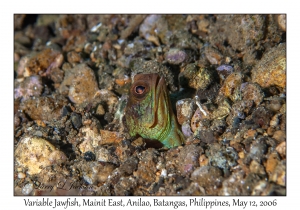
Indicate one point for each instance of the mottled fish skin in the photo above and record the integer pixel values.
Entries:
(149, 112)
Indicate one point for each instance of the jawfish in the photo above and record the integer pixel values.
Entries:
(149, 113)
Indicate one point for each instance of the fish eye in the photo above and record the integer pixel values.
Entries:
(139, 89)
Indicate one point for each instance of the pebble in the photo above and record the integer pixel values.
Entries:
(41, 124)
(75, 43)
(243, 30)
(259, 188)
(270, 131)
(91, 139)
(279, 174)
(224, 71)
(95, 172)
(209, 177)
(175, 56)
(163, 173)
(240, 108)
(21, 175)
(281, 20)
(223, 158)
(256, 168)
(279, 136)
(184, 40)
(222, 111)
(74, 57)
(103, 155)
(87, 122)
(257, 150)
(110, 137)
(19, 20)
(125, 186)
(225, 67)
(42, 62)
(274, 105)
(27, 189)
(87, 144)
(203, 25)
(45, 108)
(283, 122)
(57, 76)
(205, 135)
(186, 129)
(281, 149)
(251, 91)
(283, 109)
(197, 119)
(271, 69)
(76, 120)
(149, 25)
(203, 160)
(89, 156)
(135, 21)
(36, 153)
(30, 87)
(251, 181)
(139, 142)
(109, 97)
(188, 158)
(272, 162)
(275, 120)
(121, 77)
(124, 150)
(261, 116)
(21, 67)
(250, 134)
(213, 55)
(195, 77)
(123, 82)
(129, 166)
(147, 166)
(184, 108)
(57, 157)
(231, 86)
(100, 110)
(233, 184)
(241, 155)
(83, 84)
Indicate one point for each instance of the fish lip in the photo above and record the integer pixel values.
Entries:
(162, 80)
(160, 83)
(158, 90)
(157, 87)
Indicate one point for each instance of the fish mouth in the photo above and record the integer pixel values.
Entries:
(159, 89)
(160, 82)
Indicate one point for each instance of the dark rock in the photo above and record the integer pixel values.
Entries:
(250, 182)
(129, 166)
(89, 156)
(261, 117)
(222, 157)
(188, 158)
(209, 177)
(76, 120)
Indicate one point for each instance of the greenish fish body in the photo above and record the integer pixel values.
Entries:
(149, 112)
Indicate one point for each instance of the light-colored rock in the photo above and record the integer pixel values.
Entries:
(36, 153)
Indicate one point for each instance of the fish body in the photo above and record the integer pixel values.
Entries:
(149, 112)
